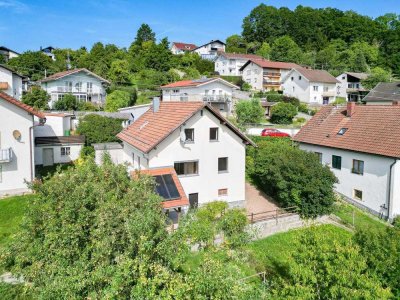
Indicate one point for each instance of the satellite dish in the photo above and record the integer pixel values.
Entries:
(17, 135)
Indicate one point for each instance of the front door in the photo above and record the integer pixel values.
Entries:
(325, 100)
(48, 157)
(194, 200)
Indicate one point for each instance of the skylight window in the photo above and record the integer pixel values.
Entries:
(342, 131)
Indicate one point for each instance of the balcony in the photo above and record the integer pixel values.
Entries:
(216, 98)
(3, 86)
(66, 89)
(272, 83)
(272, 74)
(5, 155)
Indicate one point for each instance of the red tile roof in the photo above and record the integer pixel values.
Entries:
(197, 82)
(263, 63)
(21, 105)
(182, 200)
(153, 127)
(372, 129)
(59, 75)
(184, 46)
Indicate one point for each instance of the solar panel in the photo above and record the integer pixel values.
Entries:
(165, 187)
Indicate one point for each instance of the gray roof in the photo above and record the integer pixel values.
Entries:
(115, 115)
(107, 146)
(360, 76)
(384, 91)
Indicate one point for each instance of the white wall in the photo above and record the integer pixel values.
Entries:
(54, 126)
(253, 74)
(19, 169)
(229, 67)
(342, 86)
(395, 199)
(75, 150)
(14, 83)
(373, 184)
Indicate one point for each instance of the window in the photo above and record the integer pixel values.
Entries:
(65, 151)
(89, 87)
(357, 194)
(326, 89)
(343, 77)
(68, 86)
(133, 158)
(60, 96)
(189, 135)
(175, 91)
(342, 131)
(78, 86)
(222, 164)
(299, 77)
(187, 168)
(222, 192)
(214, 134)
(194, 200)
(222, 107)
(138, 162)
(358, 167)
(336, 162)
(291, 78)
(319, 155)
(315, 88)
(293, 89)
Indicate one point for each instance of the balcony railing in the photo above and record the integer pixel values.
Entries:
(269, 82)
(272, 74)
(216, 98)
(5, 155)
(66, 89)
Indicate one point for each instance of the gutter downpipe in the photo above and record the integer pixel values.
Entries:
(390, 188)
(31, 144)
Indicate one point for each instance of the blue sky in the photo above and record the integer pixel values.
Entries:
(27, 25)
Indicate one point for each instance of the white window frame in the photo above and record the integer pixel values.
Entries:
(65, 151)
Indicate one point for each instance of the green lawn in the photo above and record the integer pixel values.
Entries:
(362, 219)
(11, 212)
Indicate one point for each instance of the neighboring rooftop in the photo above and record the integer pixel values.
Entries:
(21, 105)
(360, 76)
(212, 41)
(60, 75)
(197, 82)
(2, 48)
(153, 127)
(11, 70)
(264, 63)
(107, 146)
(384, 92)
(371, 129)
(60, 140)
(184, 46)
(317, 75)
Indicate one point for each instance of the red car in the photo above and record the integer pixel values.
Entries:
(273, 132)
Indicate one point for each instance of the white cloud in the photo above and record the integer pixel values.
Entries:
(14, 5)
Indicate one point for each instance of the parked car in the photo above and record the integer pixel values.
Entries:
(274, 132)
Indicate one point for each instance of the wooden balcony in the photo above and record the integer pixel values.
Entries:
(4, 86)
(272, 74)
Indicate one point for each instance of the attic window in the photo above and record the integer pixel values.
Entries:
(342, 131)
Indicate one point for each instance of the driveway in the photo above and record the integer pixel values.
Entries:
(257, 201)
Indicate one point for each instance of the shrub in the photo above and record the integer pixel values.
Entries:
(117, 99)
(99, 129)
(303, 108)
(246, 86)
(36, 98)
(236, 80)
(339, 101)
(249, 111)
(283, 113)
(292, 176)
(87, 106)
(68, 102)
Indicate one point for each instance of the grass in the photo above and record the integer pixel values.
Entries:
(50, 170)
(362, 219)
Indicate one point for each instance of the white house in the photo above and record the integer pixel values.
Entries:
(83, 84)
(215, 91)
(310, 86)
(350, 86)
(230, 63)
(54, 143)
(357, 144)
(11, 82)
(265, 75)
(49, 52)
(16, 144)
(195, 142)
(8, 53)
(181, 48)
(210, 50)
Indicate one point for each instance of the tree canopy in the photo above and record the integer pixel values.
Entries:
(36, 98)
(99, 129)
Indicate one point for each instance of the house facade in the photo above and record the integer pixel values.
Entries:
(229, 64)
(310, 86)
(215, 91)
(205, 150)
(11, 82)
(16, 144)
(265, 75)
(210, 50)
(181, 48)
(350, 86)
(384, 93)
(48, 51)
(355, 143)
(83, 84)
(8, 53)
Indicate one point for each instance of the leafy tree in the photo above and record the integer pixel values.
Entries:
(292, 176)
(235, 44)
(264, 50)
(381, 249)
(285, 49)
(117, 99)
(319, 269)
(246, 86)
(283, 113)
(35, 65)
(144, 34)
(119, 72)
(249, 111)
(68, 102)
(377, 75)
(36, 98)
(99, 129)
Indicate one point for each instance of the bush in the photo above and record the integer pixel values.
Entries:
(87, 106)
(246, 86)
(236, 80)
(303, 108)
(339, 101)
(249, 111)
(283, 113)
(117, 99)
(36, 98)
(292, 176)
(68, 102)
(99, 129)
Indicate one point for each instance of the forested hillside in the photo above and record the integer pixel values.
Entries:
(325, 38)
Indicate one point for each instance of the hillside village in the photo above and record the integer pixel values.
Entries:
(156, 171)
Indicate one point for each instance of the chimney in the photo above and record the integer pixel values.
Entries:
(156, 104)
(396, 103)
(351, 107)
